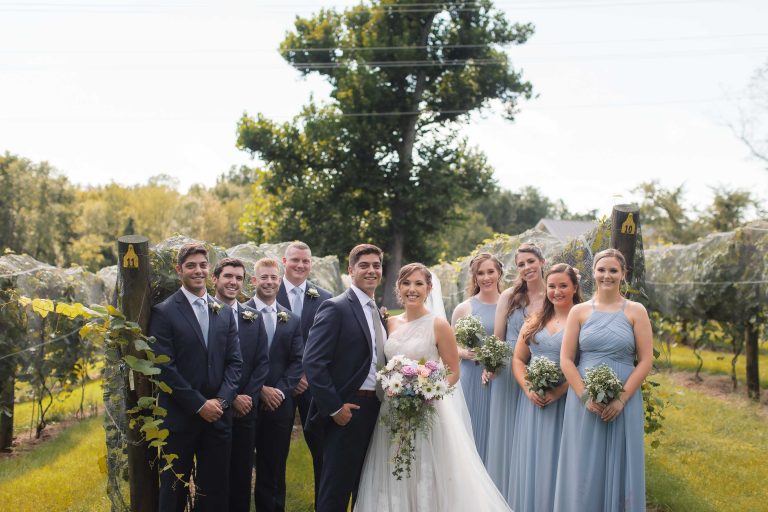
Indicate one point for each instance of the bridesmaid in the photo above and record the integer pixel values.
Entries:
(540, 419)
(601, 464)
(483, 290)
(526, 294)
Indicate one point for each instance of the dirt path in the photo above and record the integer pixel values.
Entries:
(720, 387)
(25, 441)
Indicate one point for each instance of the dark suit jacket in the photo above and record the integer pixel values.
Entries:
(254, 349)
(310, 305)
(194, 373)
(337, 355)
(285, 353)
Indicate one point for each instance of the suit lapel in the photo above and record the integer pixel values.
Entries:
(186, 311)
(357, 310)
(280, 328)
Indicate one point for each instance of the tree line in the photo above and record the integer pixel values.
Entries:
(45, 215)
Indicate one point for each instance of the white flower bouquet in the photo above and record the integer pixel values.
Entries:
(469, 332)
(601, 384)
(543, 375)
(411, 388)
(493, 353)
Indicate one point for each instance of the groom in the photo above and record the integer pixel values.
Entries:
(340, 360)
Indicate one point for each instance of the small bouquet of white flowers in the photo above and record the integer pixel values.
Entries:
(543, 375)
(601, 384)
(411, 388)
(469, 332)
(493, 354)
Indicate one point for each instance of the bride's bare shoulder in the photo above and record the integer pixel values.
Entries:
(395, 321)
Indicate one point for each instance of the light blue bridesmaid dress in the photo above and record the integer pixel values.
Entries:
(477, 395)
(536, 446)
(601, 466)
(505, 397)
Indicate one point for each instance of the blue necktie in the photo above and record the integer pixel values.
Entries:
(297, 304)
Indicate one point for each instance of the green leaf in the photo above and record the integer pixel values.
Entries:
(141, 365)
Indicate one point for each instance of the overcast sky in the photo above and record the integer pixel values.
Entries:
(628, 91)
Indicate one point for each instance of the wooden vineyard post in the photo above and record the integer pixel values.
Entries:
(134, 299)
(625, 223)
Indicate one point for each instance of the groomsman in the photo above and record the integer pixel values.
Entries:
(228, 277)
(200, 337)
(275, 421)
(344, 346)
(303, 297)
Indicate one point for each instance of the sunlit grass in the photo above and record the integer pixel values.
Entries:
(712, 454)
(63, 474)
(65, 405)
(719, 363)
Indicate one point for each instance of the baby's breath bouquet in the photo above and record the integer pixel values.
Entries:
(493, 354)
(469, 332)
(601, 384)
(543, 375)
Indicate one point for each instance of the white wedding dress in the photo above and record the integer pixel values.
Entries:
(446, 472)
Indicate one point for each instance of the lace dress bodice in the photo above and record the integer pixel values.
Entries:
(414, 340)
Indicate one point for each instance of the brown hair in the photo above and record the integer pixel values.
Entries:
(519, 297)
(227, 262)
(187, 250)
(610, 253)
(474, 265)
(540, 318)
(362, 250)
(266, 262)
(406, 271)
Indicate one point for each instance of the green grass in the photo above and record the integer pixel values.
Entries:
(711, 458)
(718, 363)
(62, 474)
(712, 455)
(65, 405)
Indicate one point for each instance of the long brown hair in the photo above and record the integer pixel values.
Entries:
(519, 297)
(474, 265)
(540, 318)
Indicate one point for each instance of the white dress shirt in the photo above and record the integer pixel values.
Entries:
(370, 380)
(260, 306)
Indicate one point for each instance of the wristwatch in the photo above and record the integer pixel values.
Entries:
(224, 404)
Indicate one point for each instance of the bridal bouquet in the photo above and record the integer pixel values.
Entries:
(469, 332)
(493, 354)
(543, 375)
(411, 388)
(601, 384)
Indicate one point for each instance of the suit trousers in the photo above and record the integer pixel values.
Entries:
(241, 464)
(344, 450)
(273, 440)
(208, 448)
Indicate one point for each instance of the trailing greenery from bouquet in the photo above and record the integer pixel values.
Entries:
(411, 388)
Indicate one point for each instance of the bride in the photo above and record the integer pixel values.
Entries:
(446, 472)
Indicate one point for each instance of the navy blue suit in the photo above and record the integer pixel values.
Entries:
(273, 428)
(254, 349)
(196, 373)
(309, 308)
(337, 360)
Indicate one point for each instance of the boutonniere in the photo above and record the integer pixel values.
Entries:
(215, 307)
(312, 292)
(384, 313)
(249, 316)
(282, 317)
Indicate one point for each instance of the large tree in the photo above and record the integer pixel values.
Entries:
(383, 161)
